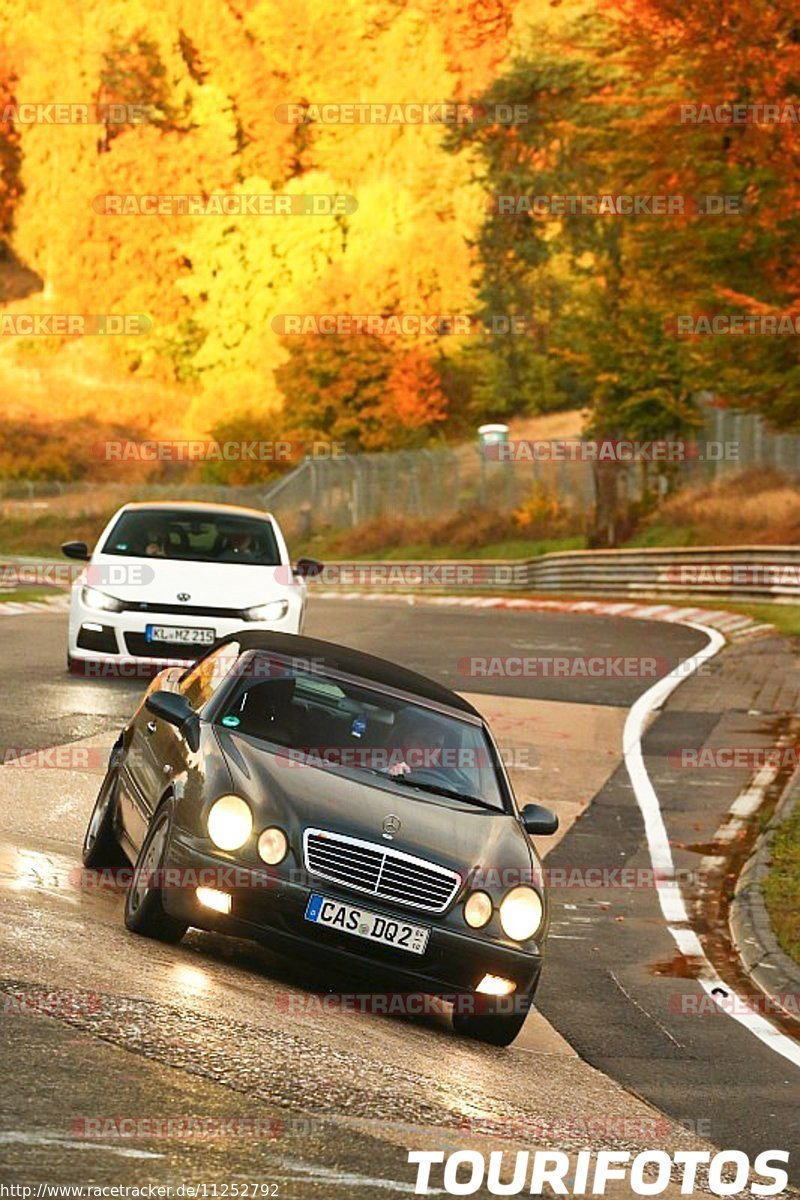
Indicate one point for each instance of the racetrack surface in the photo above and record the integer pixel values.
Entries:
(225, 1028)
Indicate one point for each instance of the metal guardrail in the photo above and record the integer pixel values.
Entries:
(746, 573)
(768, 574)
(754, 573)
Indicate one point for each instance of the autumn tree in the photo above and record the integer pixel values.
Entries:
(10, 155)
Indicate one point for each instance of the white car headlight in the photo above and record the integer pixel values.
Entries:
(230, 822)
(267, 612)
(92, 598)
(521, 913)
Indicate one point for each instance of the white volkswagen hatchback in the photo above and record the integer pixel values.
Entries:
(167, 581)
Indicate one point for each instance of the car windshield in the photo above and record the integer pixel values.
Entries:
(194, 536)
(323, 722)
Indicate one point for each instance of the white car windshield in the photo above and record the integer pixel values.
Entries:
(193, 536)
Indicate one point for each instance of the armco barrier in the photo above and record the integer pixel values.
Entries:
(747, 573)
(754, 573)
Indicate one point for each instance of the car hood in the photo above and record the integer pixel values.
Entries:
(461, 837)
(209, 585)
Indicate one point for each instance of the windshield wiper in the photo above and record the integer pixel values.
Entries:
(438, 790)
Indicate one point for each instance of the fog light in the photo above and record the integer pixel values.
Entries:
(211, 898)
(272, 846)
(478, 910)
(495, 985)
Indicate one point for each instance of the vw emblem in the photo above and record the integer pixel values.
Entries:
(184, 596)
(391, 824)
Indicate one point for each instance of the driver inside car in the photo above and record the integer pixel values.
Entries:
(416, 741)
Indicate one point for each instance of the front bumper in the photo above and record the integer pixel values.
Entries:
(270, 909)
(106, 638)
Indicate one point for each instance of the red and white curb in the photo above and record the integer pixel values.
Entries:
(734, 626)
(10, 608)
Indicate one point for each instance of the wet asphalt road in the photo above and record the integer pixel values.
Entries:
(43, 706)
(217, 1027)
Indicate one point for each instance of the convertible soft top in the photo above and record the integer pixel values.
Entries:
(352, 662)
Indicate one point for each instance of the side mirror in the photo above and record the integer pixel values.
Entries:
(308, 568)
(171, 707)
(537, 819)
(76, 550)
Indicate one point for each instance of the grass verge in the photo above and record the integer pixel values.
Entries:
(782, 885)
(23, 594)
(425, 551)
(785, 617)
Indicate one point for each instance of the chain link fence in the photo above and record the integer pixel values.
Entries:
(343, 492)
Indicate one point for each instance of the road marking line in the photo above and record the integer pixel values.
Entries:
(669, 895)
(646, 1012)
(46, 1138)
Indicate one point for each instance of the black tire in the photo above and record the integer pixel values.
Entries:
(74, 665)
(100, 846)
(497, 1029)
(144, 909)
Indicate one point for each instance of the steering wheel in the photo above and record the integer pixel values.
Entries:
(452, 777)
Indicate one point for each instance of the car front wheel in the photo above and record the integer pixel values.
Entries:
(100, 846)
(144, 908)
(495, 1028)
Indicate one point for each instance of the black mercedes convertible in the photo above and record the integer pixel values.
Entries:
(334, 806)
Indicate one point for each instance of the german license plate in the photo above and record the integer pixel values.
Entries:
(360, 922)
(179, 633)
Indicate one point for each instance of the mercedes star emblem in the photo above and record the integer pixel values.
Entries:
(391, 824)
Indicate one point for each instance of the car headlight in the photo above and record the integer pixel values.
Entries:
(92, 598)
(521, 913)
(272, 846)
(478, 910)
(267, 612)
(230, 822)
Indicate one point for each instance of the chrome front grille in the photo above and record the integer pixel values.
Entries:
(378, 871)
